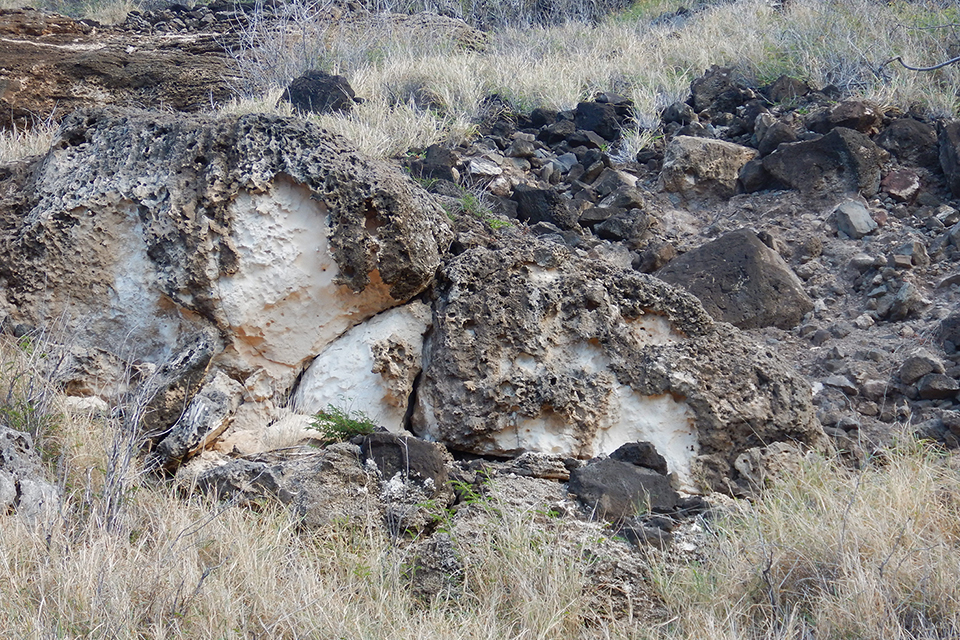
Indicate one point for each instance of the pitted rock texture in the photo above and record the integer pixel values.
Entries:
(24, 488)
(142, 229)
(537, 349)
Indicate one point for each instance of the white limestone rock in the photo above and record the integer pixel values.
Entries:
(537, 349)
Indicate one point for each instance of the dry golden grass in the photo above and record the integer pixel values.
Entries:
(834, 553)
(827, 552)
(18, 143)
(653, 63)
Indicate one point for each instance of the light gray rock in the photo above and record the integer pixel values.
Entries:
(263, 237)
(205, 418)
(855, 220)
(24, 488)
(536, 349)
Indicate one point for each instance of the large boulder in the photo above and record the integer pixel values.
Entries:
(702, 166)
(372, 366)
(536, 349)
(140, 231)
(843, 161)
(742, 281)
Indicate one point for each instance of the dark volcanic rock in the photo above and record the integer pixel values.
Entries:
(544, 205)
(911, 142)
(641, 454)
(843, 161)
(601, 118)
(319, 92)
(950, 154)
(742, 281)
(619, 490)
(413, 459)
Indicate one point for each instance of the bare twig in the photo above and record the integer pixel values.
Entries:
(911, 68)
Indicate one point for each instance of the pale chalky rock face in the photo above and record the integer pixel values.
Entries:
(536, 349)
(371, 368)
(141, 229)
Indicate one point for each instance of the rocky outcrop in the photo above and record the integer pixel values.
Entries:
(50, 65)
(24, 488)
(143, 230)
(536, 349)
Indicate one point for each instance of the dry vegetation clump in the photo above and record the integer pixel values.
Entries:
(641, 53)
(20, 143)
(832, 552)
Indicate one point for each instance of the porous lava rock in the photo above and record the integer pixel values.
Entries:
(24, 488)
(537, 349)
(742, 281)
(141, 230)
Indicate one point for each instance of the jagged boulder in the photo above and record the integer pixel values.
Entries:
(536, 349)
(24, 488)
(142, 231)
(843, 161)
(701, 166)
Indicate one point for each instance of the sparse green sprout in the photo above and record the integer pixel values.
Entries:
(336, 424)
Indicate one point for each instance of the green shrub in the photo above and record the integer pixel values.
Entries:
(336, 424)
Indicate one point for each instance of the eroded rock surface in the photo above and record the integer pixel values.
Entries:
(537, 349)
(24, 488)
(143, 230)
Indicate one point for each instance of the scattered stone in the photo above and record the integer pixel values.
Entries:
(24, 489)
(919, 365)
(854, 220)
(786, 88)
(411, 458)
(903, 185)
(617, 490)
(911, 142)
(842, 161)
(319, 92)
(841, 382)
(851, 114)
(641, 454)
(949, 136)
(937, 386)
(544, 205)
